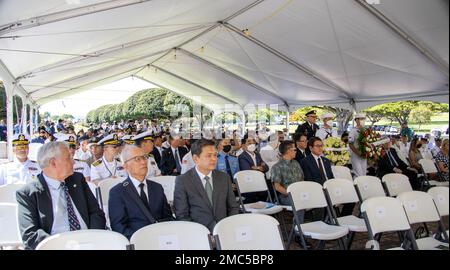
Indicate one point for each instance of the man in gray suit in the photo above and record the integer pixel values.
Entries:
(203, 194)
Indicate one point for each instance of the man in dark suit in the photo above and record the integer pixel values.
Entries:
(309, 127)
(203, 194)
(391, 163)
(59, 201)
(172, 157)
(157, 150)
(136, 202)
(317, 168)
(301, 143)
(250, 159)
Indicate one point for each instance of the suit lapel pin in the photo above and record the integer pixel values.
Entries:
(125, 184)
(75, 185)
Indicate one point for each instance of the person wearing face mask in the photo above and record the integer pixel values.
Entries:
(226, 162)
(250, 159)
(326, 131)
(359, 163)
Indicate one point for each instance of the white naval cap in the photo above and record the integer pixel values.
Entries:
(111, 139)
(20, 139)
(128, 139)
(148, 135)
(327, 115)
(71, 139)
(360, 116)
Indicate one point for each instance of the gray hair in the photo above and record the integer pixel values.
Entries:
(48, 151)
(126, 152)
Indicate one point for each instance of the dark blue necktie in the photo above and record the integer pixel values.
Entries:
(227, 163)
(73, 220)
(177, 161)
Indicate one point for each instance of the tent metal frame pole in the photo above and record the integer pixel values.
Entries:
(234, 75)
(405, 36)
(24, 116)
(66, 14)
(108, 51)
(196, 85)
(287, 120)
(286, 59)
(9, 120)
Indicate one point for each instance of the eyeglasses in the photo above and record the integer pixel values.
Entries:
(138, 159)
(318, 145)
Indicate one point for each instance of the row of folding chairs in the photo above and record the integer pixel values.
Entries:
(239, 232)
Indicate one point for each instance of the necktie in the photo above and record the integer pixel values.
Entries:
(142, 195)
(322, 174)
(208, 189)
(227, 162)
(177, 161)
(392, 159)
(74, 224)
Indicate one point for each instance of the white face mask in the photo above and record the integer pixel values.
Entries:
(251, 148)
(362, 123)
(330, 123)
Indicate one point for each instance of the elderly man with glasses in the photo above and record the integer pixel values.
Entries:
(109, 166)
(137, 201)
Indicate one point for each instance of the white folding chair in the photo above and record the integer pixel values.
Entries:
(429, 167)
(396, 183)
(420, 208)
(248, 232)
(342, 172)
(172, 235)
(85, 240)
(254, 181)
(168, 184)
(103, 188)
(368, 187)
(9, 226)
(386, 214)
(8, 192)
(441, 199)
(309, 195)
(342, 191)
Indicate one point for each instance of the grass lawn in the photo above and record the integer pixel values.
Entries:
(440, 121)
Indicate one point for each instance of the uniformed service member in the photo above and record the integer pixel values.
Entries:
(359, 163)
(326, 131)
(145, 142)
(226, 162)
(109, 166)
(79, 166)
(309, 127)
(128, 139)
(22, 169)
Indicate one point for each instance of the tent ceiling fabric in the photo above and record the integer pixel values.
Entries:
(295, 52)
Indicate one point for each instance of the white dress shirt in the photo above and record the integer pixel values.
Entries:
(253, 156)
(202, 177)
(59, 205)
(136, 184)
(318, 166)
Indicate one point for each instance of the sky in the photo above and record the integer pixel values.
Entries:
(80, 104)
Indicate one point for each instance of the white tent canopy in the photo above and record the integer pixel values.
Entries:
(291, 53)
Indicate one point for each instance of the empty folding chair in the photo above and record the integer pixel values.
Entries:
(342, 191)
(168, 184)
(8, 192)
(254, 181)
(396, 183)
(85, 240)
(368, 187)
(309, 195)
(429, 167)
(420, 208)
(248, 232)
(386, 214)
(342, 172)
(103, 188)
(9, 227)
(172, 235)
(440, 197)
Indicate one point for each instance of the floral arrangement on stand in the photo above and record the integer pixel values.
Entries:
(336, 151)
(370, 144)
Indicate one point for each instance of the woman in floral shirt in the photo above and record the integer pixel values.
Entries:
(442, 160)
